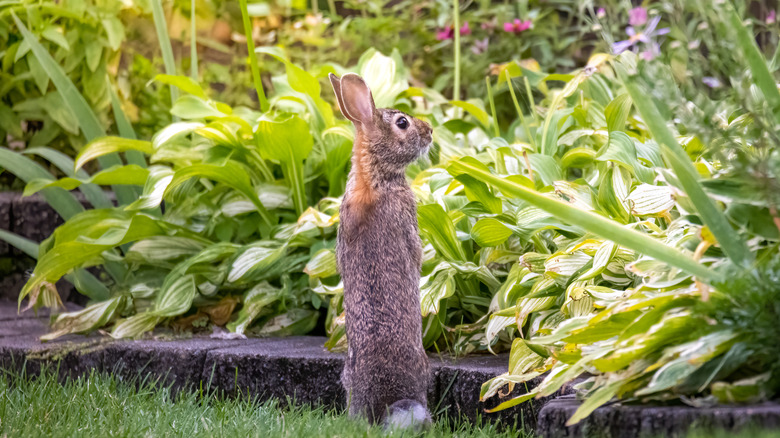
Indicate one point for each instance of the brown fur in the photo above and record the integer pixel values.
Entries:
(379, 256)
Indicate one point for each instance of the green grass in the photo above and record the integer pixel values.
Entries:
(104, 405)
(101, 405)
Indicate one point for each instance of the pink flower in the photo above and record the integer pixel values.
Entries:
(771, 17)
(448, 32)
(517, 26)
(445, 34)
(637, 16)
(601, 13)
(489, 25)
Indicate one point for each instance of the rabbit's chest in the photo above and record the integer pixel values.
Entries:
(383, 250)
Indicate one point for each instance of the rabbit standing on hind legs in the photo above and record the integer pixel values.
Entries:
(386, 373)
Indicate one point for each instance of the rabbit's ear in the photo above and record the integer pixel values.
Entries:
(356, 102)
(336, 83)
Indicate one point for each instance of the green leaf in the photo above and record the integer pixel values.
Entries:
(480, 114)
(115, 31)
(436, 226)
(289, 142)
(190, 107)
(254, 258)
(55, 35)
(384, 75)
(162, 249)
(80, 251)
(592, 222)
(231, 174)
(322, 264)
(477, 191)
(175, 296)
(136, 325)
(183, 83)
(300, 80)
(593, 401)
(86, 320)
(23, 244)
(490, 232)
(255, 301)
(438, 285)
(117, 175)
(617, 112)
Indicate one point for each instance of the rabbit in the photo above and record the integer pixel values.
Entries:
(386, 372)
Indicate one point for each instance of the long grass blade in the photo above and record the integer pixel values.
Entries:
(165, 44)
(588, 221)
(193, 44)
(729, 240)
(26, 169)
(758, 68)
(250, 44)
(93, 193)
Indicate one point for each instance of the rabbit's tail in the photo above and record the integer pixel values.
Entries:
(407, 414)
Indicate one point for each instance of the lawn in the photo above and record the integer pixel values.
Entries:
(105, 405)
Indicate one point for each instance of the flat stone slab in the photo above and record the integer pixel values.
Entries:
(295, 368)
(632, 421)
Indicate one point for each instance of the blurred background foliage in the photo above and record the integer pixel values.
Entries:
(601, 197)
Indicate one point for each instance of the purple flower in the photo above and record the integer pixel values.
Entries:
(465, 30)
(517, 26)
(771, 17)
(601, 13)
(637, 16)
(480, 46)
(711, 82)
(646, 37)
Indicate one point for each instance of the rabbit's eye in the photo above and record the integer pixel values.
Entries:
(402, 123)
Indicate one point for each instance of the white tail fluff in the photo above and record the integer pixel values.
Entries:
(407, 414)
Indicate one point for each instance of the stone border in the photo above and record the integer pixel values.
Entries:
(295, 368)
(299, 368)
(647, 421)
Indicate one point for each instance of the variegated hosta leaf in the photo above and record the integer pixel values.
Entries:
(385, 76)
(90, 318)
(524, 365)
(136, 325)
(322, 264)
(604, 254)
(578, 195)
(158, 249)
(255, 258)
(578, 301)
(254, 302)
(565, 265)
(294, 322)
(176, 296)
(440, 284)
(271, 195)
(159, 179)
(650, 200)
(534, 261)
